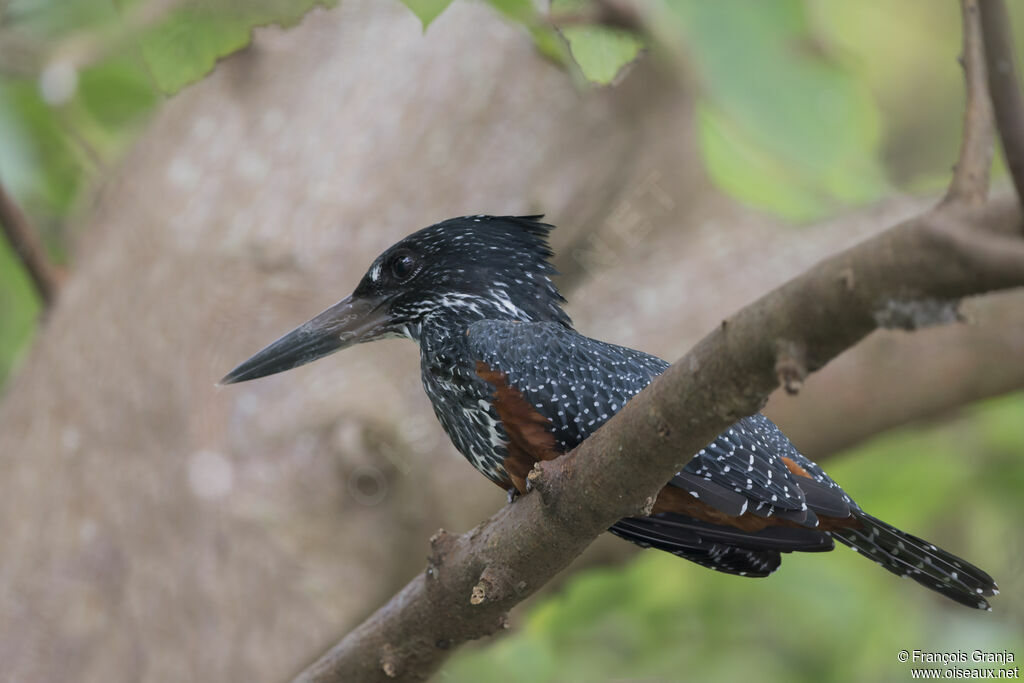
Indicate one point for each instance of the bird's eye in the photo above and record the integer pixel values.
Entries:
(403, 265)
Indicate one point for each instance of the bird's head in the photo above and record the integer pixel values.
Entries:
(450, 274)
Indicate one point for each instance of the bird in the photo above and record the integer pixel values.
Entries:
(512, 383)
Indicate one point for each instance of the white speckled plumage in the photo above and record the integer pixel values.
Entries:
(578, 383)
(478, 289)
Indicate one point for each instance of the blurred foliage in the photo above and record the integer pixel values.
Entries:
(78, 80)
(781, 124)
(820, 617)
(804, 107)
(600, 52)
(524, 12)
(895, 49)
(186, 43)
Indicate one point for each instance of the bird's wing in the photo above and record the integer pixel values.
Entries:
(555, 387)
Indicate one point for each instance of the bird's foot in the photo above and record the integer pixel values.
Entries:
(513, 493)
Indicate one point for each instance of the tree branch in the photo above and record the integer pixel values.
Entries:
(910, 276)
(29, 250)
(608, 13)
(1004, 84)
(971, 173)
(888, 380)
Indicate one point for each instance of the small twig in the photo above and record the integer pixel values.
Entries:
(1004, 86)
(28, 248)
(971, 173)
(790, 366)
(609, 13)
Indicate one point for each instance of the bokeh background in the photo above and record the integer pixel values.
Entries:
(205, 186)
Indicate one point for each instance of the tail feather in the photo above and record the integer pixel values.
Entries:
(729, 559)
(724, 549)
(689, 545)
(907, 555)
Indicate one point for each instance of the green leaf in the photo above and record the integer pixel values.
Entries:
(118, 93)
(187, 44)
(786, 128)
(744, 169)
(427, 10)
(37, 162)
(545, 38)
(600, 52)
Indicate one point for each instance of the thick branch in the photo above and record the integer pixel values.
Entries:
(970, 176)
(892, 378)
(28, 248)
(909, 276)
(1004, 85)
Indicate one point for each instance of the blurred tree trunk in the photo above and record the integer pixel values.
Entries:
(156, 527)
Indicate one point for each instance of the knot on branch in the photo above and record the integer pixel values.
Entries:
(491, 587)
(790, 365)
(390, 661)
(647, 507)
(914, 314)
(479, 593)
(657, 423)
(734, 406)
(440, 545)
(848, 279)
(541, 478)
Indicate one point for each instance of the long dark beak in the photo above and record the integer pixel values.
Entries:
(348, 322)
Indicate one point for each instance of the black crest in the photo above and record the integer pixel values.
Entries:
(472, 267)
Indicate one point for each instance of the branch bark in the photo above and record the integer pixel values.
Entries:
(27, 247)
(971, 173)
(1004, 84)
(889, 379)
(911, 276)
